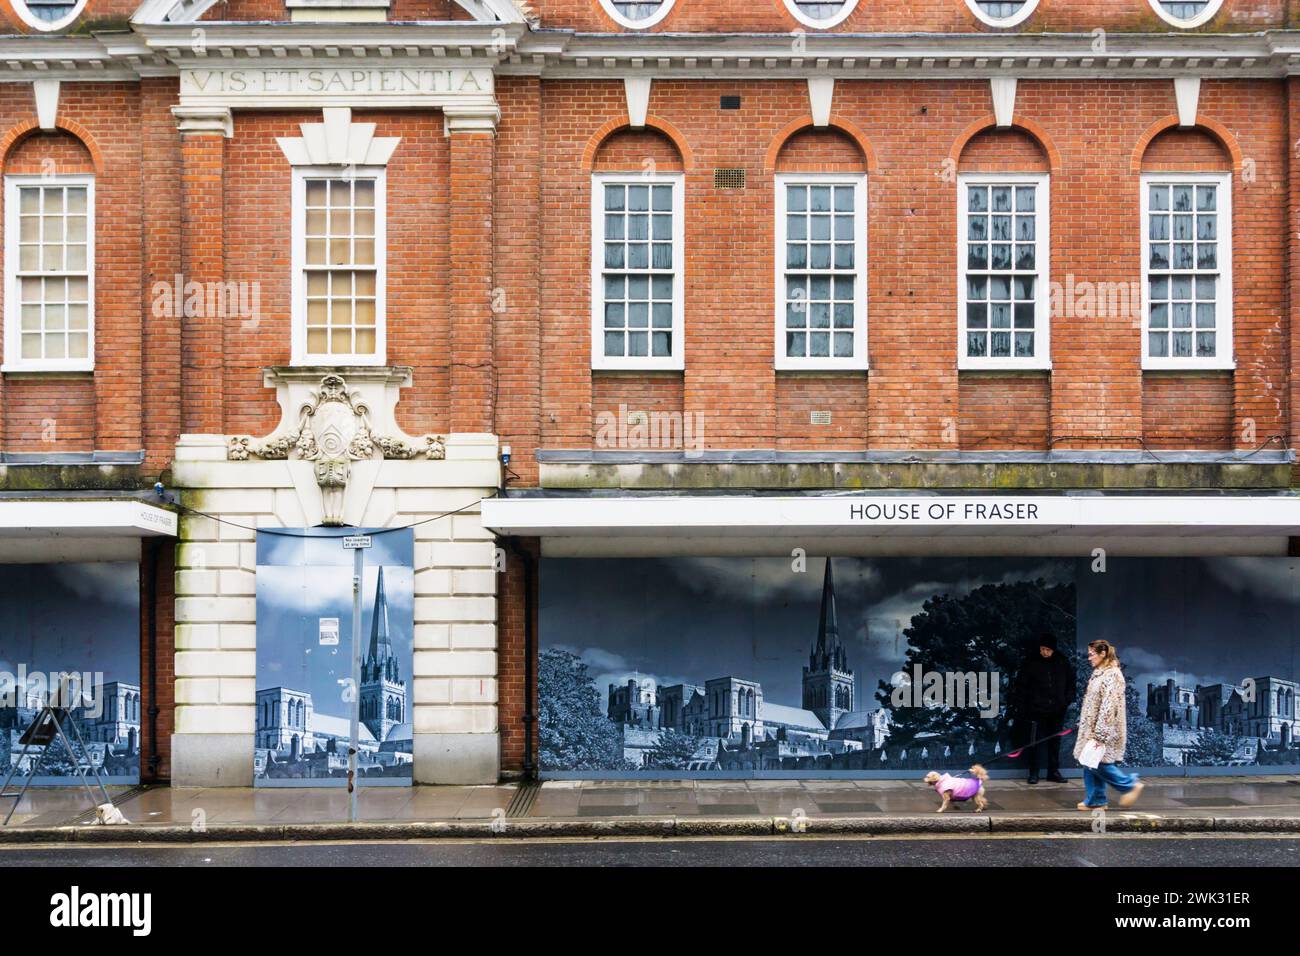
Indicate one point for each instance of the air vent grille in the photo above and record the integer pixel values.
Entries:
(728, 179)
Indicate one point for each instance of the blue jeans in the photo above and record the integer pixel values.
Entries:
(1094, 781)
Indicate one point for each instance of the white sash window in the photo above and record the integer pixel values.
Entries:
(1187, 270)
(49, 273)
(1003, 301)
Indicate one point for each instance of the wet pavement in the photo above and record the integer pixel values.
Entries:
(1274, 796)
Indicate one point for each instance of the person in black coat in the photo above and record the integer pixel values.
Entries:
(1044, 691)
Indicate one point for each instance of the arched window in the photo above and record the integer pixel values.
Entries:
(820, 14)
(1002, 13)
(1186, 14)
(1003, 201)
(638, 250)
(821, 249)
(637, 14)
(49, 236)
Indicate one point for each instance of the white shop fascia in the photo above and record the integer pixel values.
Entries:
(573, 524)
(45, 527)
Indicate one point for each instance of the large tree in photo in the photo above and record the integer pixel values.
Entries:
(1213, 748)
(672, 751)
(573, 732)
(988, 629)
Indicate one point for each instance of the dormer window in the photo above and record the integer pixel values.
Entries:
(1186, 14)
(1002, 13)
(48, 14)
(637, 14)
(820, 14)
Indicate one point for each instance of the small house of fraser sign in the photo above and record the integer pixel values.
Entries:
(902, 510)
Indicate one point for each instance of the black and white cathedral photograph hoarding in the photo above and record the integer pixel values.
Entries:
(879, 668)
(70, 637)
(1209, 651)
(305, 690)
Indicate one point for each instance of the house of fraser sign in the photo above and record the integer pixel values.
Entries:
(341, 86)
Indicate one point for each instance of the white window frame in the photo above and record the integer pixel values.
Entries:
(13, 360)
(858, 181)
(298, 284)
(1042, 357)
(1223, 357)
(46, 26)
(612, 12)
(677, 360)
(1205, 16)
(826, 24)
(1019, 17)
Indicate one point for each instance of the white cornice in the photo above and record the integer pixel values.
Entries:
(114, 57)
(915, 56)
(222, 43)
(163, 49)
(190, 11)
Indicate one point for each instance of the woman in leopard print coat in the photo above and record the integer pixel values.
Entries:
(1103, 717)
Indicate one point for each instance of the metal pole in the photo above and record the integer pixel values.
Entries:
(357, 566)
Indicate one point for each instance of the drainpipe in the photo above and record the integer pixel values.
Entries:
(530, 715)
(151, 625)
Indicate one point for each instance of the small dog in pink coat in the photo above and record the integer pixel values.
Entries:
(960, 789)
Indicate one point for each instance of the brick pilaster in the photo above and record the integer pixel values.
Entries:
(161, 237)
(517, 313)
(203, 147)
(472, 381)
(1292, 258)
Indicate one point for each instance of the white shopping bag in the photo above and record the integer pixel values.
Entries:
(1091, 754)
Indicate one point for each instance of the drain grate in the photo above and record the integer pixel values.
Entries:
(88, 816)
(521, 804)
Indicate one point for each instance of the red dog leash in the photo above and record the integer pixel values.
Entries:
(1023, 748)
(1033, 743)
